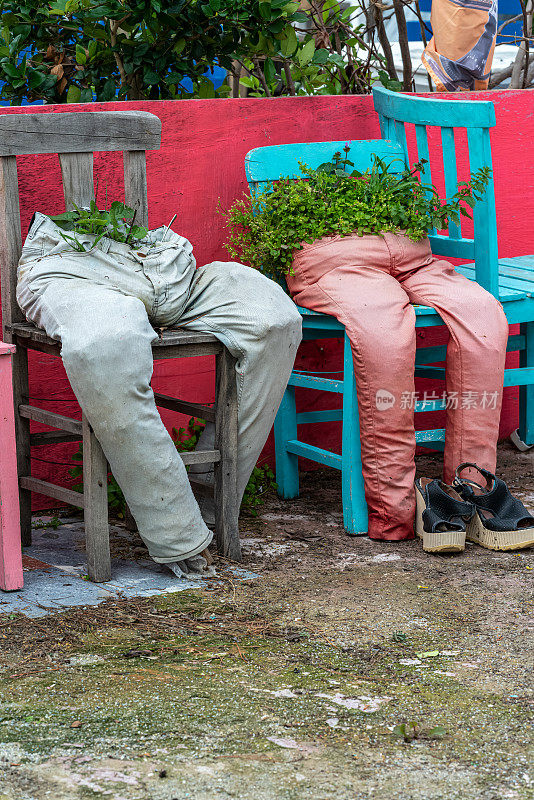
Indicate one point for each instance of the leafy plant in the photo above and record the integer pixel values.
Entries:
(330, 49)
(186, 439)
(53, 523)
(112, 224)
(268, 227)
(260, 482)
(411, 730)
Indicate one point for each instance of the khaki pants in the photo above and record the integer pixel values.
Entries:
(101, 305)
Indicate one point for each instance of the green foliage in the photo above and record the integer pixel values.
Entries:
(327, 51)
(53, 523)
(77, 51)
(268, 227)
(260, 482)
(411, 730)
(112, 224)
(186, 439)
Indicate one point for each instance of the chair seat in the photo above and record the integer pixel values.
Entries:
(174, 337)
(516, 282)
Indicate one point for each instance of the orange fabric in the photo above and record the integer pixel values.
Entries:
(369, 284)
(458, 57)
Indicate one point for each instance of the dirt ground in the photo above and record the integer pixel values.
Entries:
(346, 669)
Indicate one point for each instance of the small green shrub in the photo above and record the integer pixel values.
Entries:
(260, 482)
(268, 227)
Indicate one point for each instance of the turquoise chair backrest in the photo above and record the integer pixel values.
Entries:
(395, 111)
(266, 164)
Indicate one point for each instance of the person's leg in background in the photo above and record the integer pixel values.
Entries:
(349, 279)
(262, 329)
(476, 355)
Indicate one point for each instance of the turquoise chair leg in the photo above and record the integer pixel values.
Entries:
(526, 393)
(354, 506)
(285, 428)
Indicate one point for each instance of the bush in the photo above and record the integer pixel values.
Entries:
(84, 50)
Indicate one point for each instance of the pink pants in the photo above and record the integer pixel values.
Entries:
(368, 283)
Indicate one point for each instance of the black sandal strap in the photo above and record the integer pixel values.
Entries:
(489, 476)
(507, 512)
(442, 509)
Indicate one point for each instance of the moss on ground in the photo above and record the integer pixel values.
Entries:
(209, 696)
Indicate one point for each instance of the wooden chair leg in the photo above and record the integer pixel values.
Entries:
(355, 519)
(225, 471)
(287, 464)
(10, 551)
(95, 497)
(526, 393)
(21, 394)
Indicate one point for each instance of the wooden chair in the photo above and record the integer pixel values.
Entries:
(510, 279)
(76, 136)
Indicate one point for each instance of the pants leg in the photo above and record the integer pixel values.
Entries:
(261, 327)
(380, 323)
(106, 348)
(475, 360)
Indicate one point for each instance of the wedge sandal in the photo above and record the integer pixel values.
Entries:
(441, 517)
(501, 521)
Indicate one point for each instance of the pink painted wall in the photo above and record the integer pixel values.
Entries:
(204, 143)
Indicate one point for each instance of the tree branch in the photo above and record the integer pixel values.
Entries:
(384, 41)
(404, 46)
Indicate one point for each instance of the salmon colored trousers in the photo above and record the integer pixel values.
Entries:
(369, 283)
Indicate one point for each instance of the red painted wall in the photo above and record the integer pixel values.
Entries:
(201, 161)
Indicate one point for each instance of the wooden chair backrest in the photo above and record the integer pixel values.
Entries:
(395, 111)
(266, 164)
(74, 136)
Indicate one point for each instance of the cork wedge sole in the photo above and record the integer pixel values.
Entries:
(447, 541)
(498, 540)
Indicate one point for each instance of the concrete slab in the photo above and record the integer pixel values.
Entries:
(55, 575)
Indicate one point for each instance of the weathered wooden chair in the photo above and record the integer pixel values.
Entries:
(510, 279)
(77, 136)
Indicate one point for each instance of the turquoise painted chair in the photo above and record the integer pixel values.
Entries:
(510, 279)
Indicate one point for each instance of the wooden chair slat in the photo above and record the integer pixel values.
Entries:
(77, 132)
(271, 163)
(426, 111)
(400, 137)
(10, 243)
(135, 184)
(78, 183)
(421, 137)
(485, 219)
